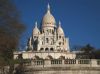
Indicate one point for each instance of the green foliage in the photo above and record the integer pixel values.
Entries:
(11, 29)
(97, 54)
(18, 61)
(28, 49)
(87, 49)
(86, 52)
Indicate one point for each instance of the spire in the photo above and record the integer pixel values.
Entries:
(59, 24)
(36, 24)
(48, 8)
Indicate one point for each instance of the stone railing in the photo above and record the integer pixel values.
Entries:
(64, 63)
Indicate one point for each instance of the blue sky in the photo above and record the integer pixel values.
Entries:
(80, 19)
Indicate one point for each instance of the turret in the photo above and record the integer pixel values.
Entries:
(60, 30)
(36, 31)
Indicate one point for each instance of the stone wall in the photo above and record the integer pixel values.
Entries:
(65, 70)
(72, 66)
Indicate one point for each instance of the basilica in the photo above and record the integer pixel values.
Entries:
(48, 51)
(48, 41)
(50, 37)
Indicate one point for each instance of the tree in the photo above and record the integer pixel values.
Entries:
(87, 49)
(20, 68)
(88, 52)
(97, 54)
(11, 29)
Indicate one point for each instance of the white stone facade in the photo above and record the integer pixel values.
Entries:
(49, 37)
(45, 55)
(48, 40)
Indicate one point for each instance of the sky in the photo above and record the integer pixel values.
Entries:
(80, 19)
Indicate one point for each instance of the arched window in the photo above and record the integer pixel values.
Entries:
(49, 57)
(52, 31)
(36, 57)
(59, 36)
(47, 40)
(42, 42)
(62, 57)
(51, 49)
(41, 49)
(46, 49)
(59, 43)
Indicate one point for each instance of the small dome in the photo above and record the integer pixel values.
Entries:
(48, 19)
(36, 30)
(60, 30)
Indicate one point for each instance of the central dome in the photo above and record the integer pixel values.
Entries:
(48, 19)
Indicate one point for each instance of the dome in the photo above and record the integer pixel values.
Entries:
(48, 19)
(36, 30)
(60, 30)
